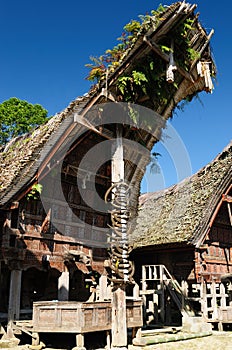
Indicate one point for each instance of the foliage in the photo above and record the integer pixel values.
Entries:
(126, 83)
(97, 68)
(18, 117)
(35, 192)
(112, 57)
(151, 69)
(185, 54)
(165, 48)
(145, 79)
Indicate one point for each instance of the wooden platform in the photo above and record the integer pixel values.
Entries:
(81, 317)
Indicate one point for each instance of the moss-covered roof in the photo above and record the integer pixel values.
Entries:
(181, 213)
(21, 158)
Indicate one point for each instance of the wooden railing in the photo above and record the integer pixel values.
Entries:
(156, 280)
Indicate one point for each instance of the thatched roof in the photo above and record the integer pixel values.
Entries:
(149, 40)
(21, 159)
(181, 214)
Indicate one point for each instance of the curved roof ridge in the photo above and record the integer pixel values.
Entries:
(156, 194)
(21, 157)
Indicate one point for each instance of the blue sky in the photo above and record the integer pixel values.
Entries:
(46, 44)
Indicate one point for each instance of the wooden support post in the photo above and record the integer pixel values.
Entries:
(79, 342)
(214, 300)
(184, 295)
(14, 297)
(103, 295)
(156, 306)
(203, 296)
(220, 326)
(223, 295)
(144, 287)
(35, 338)
(63, 286)
(107, 340)
(136, 332)
(136, 291)
(229, 212)
(119, 327)
(162, 299)
(150, 311)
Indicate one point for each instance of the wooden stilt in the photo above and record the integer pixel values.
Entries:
(108, 340)
(35, 339)
(79, 342)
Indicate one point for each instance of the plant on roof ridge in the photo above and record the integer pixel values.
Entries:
(145, 79)
(111, 58)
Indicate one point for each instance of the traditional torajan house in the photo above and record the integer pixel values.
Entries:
(50, 241)
(188, 229)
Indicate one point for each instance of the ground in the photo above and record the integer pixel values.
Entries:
(217, 341)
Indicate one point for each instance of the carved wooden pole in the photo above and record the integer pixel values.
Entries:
(119, 327)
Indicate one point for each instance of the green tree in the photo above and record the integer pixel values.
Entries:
(18, 117)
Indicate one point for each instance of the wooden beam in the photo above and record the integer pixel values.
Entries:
(165, 57)
(229, 211)
(227, 198)
(202, 49)
(80, 118)
(180, 14)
